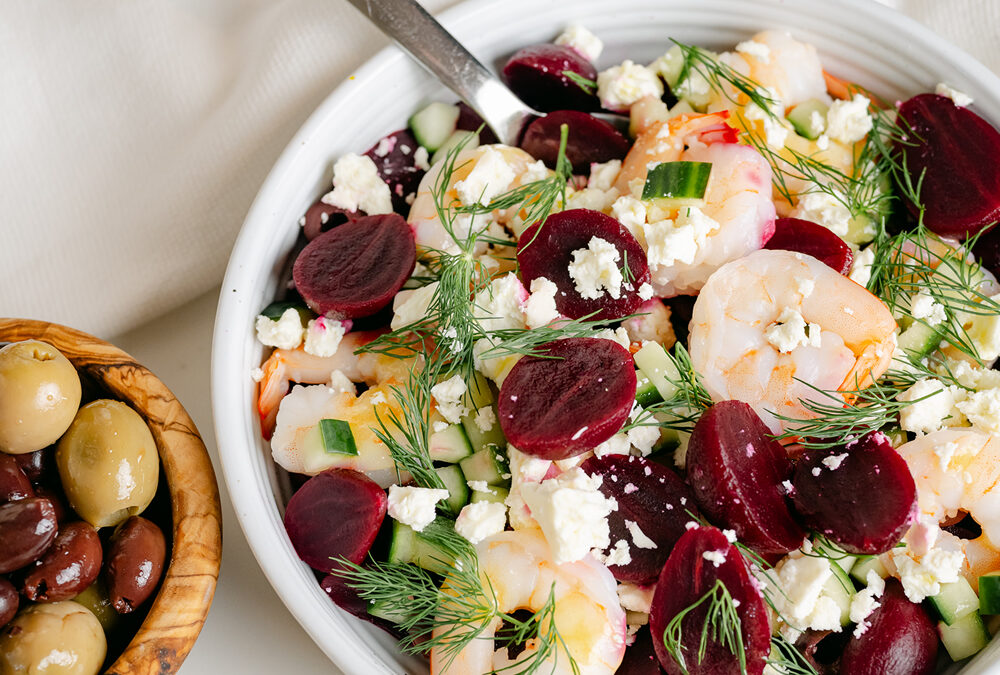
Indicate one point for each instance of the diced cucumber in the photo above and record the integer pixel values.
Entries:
(965, 637)
(670, 65)
(458, 489)
(646, 393)
(677, 184)
(989, 593)
(478, 393)
(479, 438)
(337, 437)
(276, 309)
(680, 108)
(408, 546)
(451, 444)
(805, 123)
(496, 494)
(469, 140)
(434, 123)
(919, 339)
(654, 362)
(385, 610)
(955, 601)
(840, 588)
(669, 440)
(868, 563)
(489, 465)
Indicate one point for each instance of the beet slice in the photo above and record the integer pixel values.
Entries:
(958, 153)
(736, 470)
(571, 397)
(322, 217)
(395, 159)
(336, 513)
(684, 580)
(546, 250)
(589, 140)
(900, 640)
(356, 269)
(470, 120)
(640, 657)
(535, 74)
(651, 496)
(805, 236)
(861, 496)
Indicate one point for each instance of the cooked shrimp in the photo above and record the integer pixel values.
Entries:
(958, 470)
(517, 566)
(791, 69)
(742, 351)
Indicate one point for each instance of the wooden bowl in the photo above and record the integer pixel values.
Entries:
(178, 612)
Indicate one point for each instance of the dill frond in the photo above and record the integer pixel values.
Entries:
(722, 624)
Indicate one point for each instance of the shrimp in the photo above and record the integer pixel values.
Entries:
(736, 218)
(517, 565)
(738, 346)
(791, 69)
(428, 231)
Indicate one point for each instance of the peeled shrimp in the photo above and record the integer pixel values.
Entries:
(739, 308)
(791, 69)
(958, 470)
(517, 566)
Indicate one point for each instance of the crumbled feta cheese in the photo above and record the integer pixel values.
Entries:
(730, 535)
(340, 383)
(535, 171)
(923, 578)
(630, 212)
(285, 333)
(982, 408)
(485, 418)
(805, 286)
(572, 512)
(924, 306)
(358, 187)
(603, 175)
(635, 598)
(864, 603)
(645, 292)
(833, 462)
(849, 121)
(490, 177)
(582, 40)
(595, 270)
(414, 506)
(639, 537)
(715, 557)
(823, 141)
(644, 438)
(618, 335)
(671, 242)
(591, 198)
(420, 158)
(757, 50)
(861, 267)
(449, 396)
(790, 331)
(801, 601)
(824, 209)
(480, 520)
(409, 307)
(540, 308)
(481, 486)
(959, 98)
(618, 444)
(440, 426)
(619, 87)
(775, 128)
(501, 306)
(618, 555)
(323, 336)
(933, 402)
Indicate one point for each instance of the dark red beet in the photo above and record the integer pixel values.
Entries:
(535, 74)
(640, 657)
(805, 236)
(394, 158)
(572, 400)
(736, 470)
(589, 140)
(685, 579)
(337, 513)
(654, 498)
(866, 503)
(901, 639)
(356, 269)
(348, 600)
(469, 120)
(322, 217)
(958, 154)
(546, 250)
(14, 484)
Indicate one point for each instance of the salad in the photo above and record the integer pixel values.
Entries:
(710, 396)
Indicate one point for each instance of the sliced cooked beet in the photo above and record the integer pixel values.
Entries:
(469, 120)
(957, 153)
(337, 513)
(736, 470)
(546, 250)
(640, 657)
(535, 74)
(589, 140)
(900, 640)
(861, 496)
(395, 158)
(322, 217)
(652, 497)
(572, 397)
(348, 600)
(686, 578)
(805, 236)
(355, 270)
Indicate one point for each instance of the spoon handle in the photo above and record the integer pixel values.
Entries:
(433, 47)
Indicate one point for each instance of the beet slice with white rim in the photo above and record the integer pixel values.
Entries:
(576, 394)
(805, 236)
(652, 498)
(546, 250)
(862, 496)
(535, 74)
(737, 472)
(702, 558)
(395, 159)
(589, 140)
(355, 269)
(336, 513)
(957, 154)
(901, 639)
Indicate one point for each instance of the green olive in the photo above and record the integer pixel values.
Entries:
(108, 463)
(56, 638)
(95, 598)
(39, 395)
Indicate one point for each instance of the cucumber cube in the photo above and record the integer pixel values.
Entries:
(989, 593)
(965, 637)
(955, 601)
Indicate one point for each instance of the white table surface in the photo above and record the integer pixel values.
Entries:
(248, 628)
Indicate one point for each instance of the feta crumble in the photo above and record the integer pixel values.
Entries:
(635, 598)
(801, 601)
(630, 212)
(618, 555)
(414, 506)
(485, 418)
(639, 537)
(285, 333)
(490, 177)
(358, 187)
(420, 158)
(540, 308)
(790, 331)
(480, 520)
(411, 306)
(340, 383)
(982, 408)
(958, 98)
(481, 486)
(757, 50)
(603, 175)
(620, 86)
(671, 242)
(861, 267)
(449, 396)
(595, 270)
(323, 336)
(715, 557)
(923, 578)
(582, 40)
(932, 403)
(618, 444)
(864, 603)
(833, 462)
(824, 209)
(849, 121)
(645, 292)
(925, 307)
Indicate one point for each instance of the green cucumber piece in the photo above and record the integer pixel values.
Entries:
(337, 437)
(671, 65)
(657, 366)
(478, 438)
(451, 444)
(496, 494)
(840, 588)
(803, 121)
(384, 610)
(646, 393)
(478, 393)
(469, 140)
(409, 546)
(454, 482)
(955, 601)
(677, 184)
(919, 340)
(433, 124)
(489, 465)
(865, 564)
(276, 309)
(965, 637)
(989, 593)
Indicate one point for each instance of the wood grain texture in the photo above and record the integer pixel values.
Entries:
(179, 609)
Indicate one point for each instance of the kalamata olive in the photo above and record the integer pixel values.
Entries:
(27, 528)
(56, 638)
(36, 464)
(95, 598)
(14, 484)
(68, 567)
(9, 600)
(39, 395)
(108, 463)
(135, 563)
(53, 492)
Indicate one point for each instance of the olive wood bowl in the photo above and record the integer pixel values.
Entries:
(178, 612)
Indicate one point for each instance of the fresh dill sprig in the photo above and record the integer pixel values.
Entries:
(718, 75)
(528, 341)
(585, 83)
(721, 623)
(681, 411)
(786, 659)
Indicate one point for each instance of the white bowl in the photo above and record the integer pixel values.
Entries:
(858, 40)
